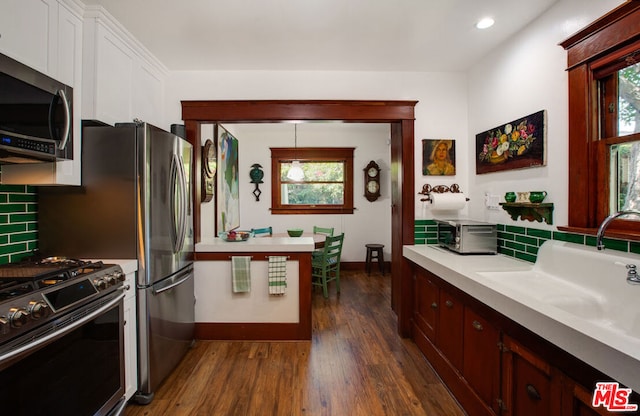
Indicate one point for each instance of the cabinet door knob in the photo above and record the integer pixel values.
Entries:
(532, 392)
(449, 304)
(434, 305)
(477, 325)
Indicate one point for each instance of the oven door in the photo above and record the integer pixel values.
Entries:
(73, 366)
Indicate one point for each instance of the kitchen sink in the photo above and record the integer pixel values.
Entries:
(584, 284)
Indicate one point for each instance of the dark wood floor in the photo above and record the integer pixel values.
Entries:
(355, 365)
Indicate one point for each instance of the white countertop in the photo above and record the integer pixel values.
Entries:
(614, 353)
(256, 244)
(128, 265)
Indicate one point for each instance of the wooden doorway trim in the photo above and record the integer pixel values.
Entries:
(399, 114)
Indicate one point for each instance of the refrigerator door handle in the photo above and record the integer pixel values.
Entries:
(186, 275)
(184, 201)
(177, 204)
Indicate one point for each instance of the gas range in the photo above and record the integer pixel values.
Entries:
(35, 292)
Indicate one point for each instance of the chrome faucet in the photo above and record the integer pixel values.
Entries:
(605, 224)
(632, 275)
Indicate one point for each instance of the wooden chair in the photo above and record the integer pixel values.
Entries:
(260, 231)
(320, 230)
(325, 264)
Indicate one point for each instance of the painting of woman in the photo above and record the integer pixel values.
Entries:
(441, 157)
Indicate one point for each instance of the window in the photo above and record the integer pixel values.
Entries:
(327, 185)
(604, 121)
(619, 92)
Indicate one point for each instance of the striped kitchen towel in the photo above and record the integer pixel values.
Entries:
(277, 275)
(241, 273)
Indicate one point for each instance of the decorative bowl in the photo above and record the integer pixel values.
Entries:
(295, 232)
(233, 236)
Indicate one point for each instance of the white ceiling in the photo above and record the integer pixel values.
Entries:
(350, 35)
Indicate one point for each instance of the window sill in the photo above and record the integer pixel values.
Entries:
(609, 233)
(311, 210)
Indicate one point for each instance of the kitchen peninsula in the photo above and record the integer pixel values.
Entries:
(255, 315)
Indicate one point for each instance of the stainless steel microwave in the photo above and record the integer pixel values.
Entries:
(35, 115)
(468, 236)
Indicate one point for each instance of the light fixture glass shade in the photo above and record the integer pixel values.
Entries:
(295, 173)
(485, 23)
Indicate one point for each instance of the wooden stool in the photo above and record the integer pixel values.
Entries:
(374, 251)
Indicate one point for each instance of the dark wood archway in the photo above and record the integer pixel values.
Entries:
(399, 114)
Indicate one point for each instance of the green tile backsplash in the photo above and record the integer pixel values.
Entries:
(18, 222)
(523, 242)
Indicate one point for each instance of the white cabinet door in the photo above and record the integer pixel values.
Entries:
(130, 338)
(148, 95)
(121, 80)
(27, 32)
(69, 50)
(114, 78)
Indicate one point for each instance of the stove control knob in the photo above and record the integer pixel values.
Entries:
(100, 283)
(37, 309)
(4, 325)
(18, 317)
(120, 277)
(111, 279)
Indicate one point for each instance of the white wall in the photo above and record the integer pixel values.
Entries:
(522, 76)
(525, 75)
(371, 142)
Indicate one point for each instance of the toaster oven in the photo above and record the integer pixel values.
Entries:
(467, 236)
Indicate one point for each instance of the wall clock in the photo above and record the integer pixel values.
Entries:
(209, 166)
(372, 181)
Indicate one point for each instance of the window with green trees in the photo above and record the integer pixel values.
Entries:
(326, 186)
(620, 117)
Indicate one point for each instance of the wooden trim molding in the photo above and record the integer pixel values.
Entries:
(399, 114)
(249, 331)
(614, 28)
(287, 110)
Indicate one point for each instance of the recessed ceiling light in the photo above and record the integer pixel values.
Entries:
(485, 23)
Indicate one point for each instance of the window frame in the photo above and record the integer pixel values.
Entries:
(311, 154)
(592, 53)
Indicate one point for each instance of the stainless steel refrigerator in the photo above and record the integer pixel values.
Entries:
(134, 203)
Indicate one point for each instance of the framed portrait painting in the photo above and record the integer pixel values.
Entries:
(515, 145)
(439, 157)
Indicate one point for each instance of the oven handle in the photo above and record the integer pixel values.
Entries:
(64, 331)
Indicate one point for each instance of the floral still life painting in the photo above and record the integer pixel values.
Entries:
(515, 145)
(438, 157)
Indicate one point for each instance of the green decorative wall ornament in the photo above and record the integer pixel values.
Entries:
(256, 174)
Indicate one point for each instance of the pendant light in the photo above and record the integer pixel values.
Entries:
(295, 173)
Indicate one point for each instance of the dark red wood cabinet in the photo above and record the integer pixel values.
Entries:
(481, 358)
(492, 365)
(450, 325)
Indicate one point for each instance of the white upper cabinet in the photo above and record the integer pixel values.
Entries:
(27, 32)
(121, 80)
(47, 36)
